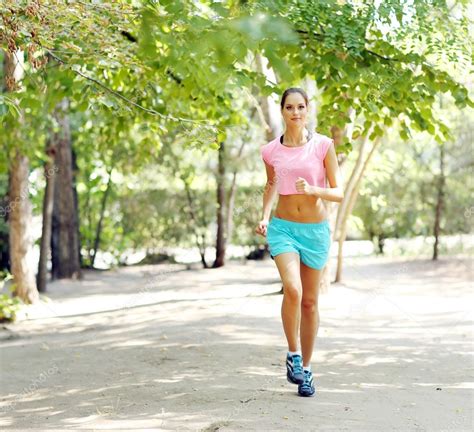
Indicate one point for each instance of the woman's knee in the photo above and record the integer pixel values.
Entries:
(293, 291)
(309, 304)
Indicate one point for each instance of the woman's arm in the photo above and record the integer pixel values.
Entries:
(269, 192)
(333, 172)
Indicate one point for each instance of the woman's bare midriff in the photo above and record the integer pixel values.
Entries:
(301, 208)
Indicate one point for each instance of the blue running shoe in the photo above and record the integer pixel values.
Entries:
(294, 368)
(307, 387)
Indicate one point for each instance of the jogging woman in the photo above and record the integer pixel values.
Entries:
(298, 235)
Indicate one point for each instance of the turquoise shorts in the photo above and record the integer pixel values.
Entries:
(311, 240)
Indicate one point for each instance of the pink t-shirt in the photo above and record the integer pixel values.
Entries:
(305, 161)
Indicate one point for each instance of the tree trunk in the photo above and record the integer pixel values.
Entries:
(230, 206)
(64, 239)
(381, 243)
(271, 125)
(233, 190)
(268, 122)
(4, 241)
(200, 238)
(221, 238)
(440, 201)
(88, 216)
(101, 216)
(343, 231)
(201, 244)
(75, 170)
(20, 236)
(337, 134)
(48, 201)
(21, 241)
(355, 174)
(347, 210)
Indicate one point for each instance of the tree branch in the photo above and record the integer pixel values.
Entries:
(120, 96)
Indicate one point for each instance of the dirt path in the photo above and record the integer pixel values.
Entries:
(160, 348)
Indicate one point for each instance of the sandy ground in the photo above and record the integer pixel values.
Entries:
(162, 348)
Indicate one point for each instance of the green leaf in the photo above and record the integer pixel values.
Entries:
(3, 109)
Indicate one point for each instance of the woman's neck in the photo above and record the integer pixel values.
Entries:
(294, 137)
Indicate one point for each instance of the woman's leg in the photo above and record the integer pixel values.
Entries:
(310, 279)
(288, 265)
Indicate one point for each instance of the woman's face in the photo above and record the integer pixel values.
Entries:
(294, 110)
